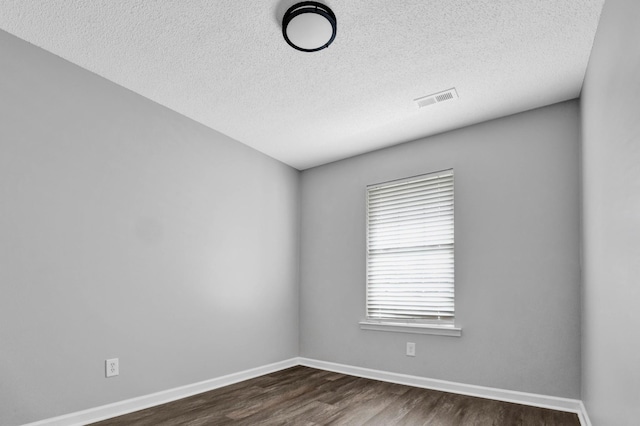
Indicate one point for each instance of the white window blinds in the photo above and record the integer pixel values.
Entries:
(410, 249)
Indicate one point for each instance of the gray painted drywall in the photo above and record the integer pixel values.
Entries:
(130, 231)
(517, 256)
(611, 218)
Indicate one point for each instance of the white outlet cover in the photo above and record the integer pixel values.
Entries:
(411, 349)
(112, 367)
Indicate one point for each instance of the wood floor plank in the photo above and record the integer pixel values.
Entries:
(394, 412)
(359, 407)
(304, 396)
(423, 411)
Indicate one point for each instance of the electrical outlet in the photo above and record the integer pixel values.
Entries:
(112, 367)
(411, 349)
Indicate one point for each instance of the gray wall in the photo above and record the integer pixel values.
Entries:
(611, 208)
(517, 256)
(127, 230)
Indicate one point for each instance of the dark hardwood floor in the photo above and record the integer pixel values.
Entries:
(308, 397)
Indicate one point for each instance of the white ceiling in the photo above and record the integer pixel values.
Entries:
(225, 64)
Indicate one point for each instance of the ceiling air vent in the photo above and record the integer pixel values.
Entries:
(447, 95)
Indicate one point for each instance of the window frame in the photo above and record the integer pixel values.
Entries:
(445, 327)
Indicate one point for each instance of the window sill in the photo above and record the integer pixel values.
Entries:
(415, 328)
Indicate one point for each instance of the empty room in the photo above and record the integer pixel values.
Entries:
(310, 213)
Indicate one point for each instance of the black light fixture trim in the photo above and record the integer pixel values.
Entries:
(309, 7)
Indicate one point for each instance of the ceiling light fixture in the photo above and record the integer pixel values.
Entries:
(309, 26)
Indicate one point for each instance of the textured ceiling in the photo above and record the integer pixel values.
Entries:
(225, 64)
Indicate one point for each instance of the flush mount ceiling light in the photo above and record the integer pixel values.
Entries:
(309, 26)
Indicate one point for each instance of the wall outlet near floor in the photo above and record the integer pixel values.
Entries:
(112, 367)
(411, 349)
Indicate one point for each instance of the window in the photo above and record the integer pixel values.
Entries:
(410, 252)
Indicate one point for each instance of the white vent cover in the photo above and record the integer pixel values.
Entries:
(435, 98)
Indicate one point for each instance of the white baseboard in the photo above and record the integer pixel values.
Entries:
(140, 403)
(543, 401)
(584, 417)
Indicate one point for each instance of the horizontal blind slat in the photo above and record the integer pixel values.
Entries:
(416, 196)
(432, 204)
(411, 215)
(399, 186)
